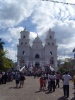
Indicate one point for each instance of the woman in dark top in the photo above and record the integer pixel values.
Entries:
(22, 78)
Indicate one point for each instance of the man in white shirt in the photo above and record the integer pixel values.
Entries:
(66, 77)
(52, 77)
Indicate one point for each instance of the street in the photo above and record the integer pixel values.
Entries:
(30, 91)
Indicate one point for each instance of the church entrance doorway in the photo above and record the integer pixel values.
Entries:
(37, 64)
(37, 56)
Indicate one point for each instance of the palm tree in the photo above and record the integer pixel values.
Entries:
(1, 44)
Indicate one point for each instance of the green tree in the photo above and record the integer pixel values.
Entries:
(5, 63)
(1, 44)
(2, 55)
(67, 65)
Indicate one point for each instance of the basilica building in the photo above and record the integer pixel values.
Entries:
(37, 54)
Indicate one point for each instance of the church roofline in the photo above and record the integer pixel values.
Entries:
(25, 30)
(37, 38)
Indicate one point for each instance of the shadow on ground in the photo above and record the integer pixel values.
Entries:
(48, 92)
(14, 88)
(63, 98)
(73, 97)
(38, 91)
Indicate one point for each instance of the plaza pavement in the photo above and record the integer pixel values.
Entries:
(30, 91)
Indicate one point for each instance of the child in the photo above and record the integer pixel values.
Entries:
(41, 83)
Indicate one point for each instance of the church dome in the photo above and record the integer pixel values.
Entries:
(37, 40)
(37, 43)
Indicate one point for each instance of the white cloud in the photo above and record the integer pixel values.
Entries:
(14, 12)
(12, 34)
(33, 35)
(11, 53)
(15, 32)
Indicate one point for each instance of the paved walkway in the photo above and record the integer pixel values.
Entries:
(30, 91)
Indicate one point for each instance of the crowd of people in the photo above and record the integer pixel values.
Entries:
(51, 81)
(19, 79)
(48, 80)
(6, 77)
(18, 76)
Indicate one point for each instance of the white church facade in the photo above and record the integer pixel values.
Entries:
(37, 54)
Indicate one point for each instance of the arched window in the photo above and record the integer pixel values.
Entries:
(37, 64)
(23, 52)
(24, 36)
(50, 37)
(25, 43)
(37, 56)
(50, 52)
(48, 43)
(21, 43)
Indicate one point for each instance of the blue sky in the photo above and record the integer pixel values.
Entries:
(37, 16)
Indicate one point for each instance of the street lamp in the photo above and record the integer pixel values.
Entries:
(74, 52)
(74, 57)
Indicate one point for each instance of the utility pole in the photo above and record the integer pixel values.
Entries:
(74, 57)
(64, 54)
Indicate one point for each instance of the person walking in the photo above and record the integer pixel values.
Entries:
(66, 77)
(57, 79)
(41, 83)
(5, 78)
(52, 77)
(0, 78)
(22, 78)
(45, 80)
(17, 78)
(49, 82)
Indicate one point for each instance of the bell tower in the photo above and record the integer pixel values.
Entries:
(51, 49)
(23, 48)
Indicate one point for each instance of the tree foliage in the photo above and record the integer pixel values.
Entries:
(66, 66)
(5, 63)
(1, 44)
